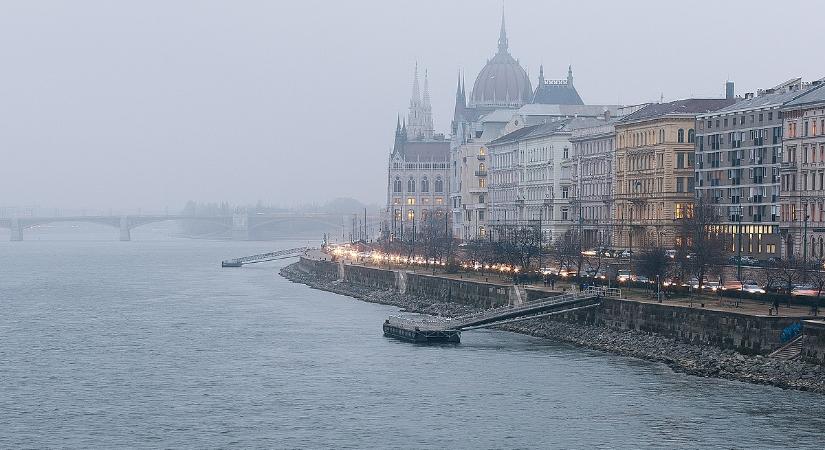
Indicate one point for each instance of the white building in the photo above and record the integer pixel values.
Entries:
(417, 173)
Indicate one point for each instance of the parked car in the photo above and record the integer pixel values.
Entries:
(712, 286)
(641, 279)
(671, 254)
(804, 289)
(623, 275)
(752, 288)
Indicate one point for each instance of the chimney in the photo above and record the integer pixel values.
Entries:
(729, 90)
(748, 95)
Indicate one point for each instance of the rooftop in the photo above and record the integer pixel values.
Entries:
(815, 94)
(690, 107)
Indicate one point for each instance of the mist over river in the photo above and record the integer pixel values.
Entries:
(151, 344)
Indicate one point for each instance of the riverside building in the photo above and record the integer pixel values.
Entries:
(417, 174)
(654, 181)
(802, 176)
(738, 155)
(595, 156)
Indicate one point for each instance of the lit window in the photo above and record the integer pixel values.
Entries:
(410, 200)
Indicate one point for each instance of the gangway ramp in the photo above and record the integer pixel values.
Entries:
(435, 329)
(264, 257)
(549, 306)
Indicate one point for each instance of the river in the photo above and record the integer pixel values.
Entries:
(151, 344)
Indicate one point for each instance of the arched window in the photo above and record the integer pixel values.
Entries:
(691, 136)
(425, 185)
(439, 185)
(396, 185)
(681, 136)
(661, 135)
(411, 185)
(481, 167)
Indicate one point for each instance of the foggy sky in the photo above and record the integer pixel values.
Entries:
(146, 104)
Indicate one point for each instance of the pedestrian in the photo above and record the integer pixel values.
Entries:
(552, 283)
(776, 306)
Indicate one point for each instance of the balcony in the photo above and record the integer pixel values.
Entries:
(481, 157)
(481, 173)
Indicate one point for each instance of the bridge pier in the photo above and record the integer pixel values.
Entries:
(125, 232)
(240, 226)
(16, 230)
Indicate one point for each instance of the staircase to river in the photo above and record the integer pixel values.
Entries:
(789, 351)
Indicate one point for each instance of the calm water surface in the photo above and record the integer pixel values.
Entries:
(151, 344)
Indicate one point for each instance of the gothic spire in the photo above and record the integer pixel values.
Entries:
(398, 124)
(426, 90)
(502, 37)
(570, 75)
(416, 91)
(541, 75)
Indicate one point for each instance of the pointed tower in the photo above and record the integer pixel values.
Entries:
(460, 106)
(541, 74)
(502, 35)
(400, 138)
(419, 118)
(427, 108)
(570, 75)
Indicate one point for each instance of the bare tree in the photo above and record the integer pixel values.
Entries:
(702, 244)
(788, 272)
(653, 263)
(816, 277)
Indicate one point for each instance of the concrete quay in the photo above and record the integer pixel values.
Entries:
(700, 353)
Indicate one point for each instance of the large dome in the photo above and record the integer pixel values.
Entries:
(502, 82)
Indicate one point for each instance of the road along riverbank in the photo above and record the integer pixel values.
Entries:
(693, 358)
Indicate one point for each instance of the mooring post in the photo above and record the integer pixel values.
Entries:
(16, 230)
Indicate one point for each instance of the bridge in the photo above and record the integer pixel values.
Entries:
(264, 257)
(125, 223)
(240, 225)
(440, 329)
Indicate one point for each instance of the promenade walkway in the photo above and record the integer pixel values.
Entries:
(706, 301)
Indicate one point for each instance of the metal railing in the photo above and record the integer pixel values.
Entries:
(590, 292)
(263, 257)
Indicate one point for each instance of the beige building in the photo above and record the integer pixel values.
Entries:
(802, 176)
(654, 181)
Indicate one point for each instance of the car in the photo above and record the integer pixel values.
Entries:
(623, 275)
(712, 286)
(671, 254)
(752, 288)
(804, 289)
(625, 254)
(641, 279)
(589, 252)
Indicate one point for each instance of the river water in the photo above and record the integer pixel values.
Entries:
(151, 344)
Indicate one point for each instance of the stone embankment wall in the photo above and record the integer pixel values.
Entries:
(813, 344)
(726, 330)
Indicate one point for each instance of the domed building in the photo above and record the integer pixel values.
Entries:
(502, 83)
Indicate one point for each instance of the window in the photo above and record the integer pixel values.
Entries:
(564, 214)
(411, 185)
(692, 134)
(481, 198)
(411, 201)
(680, 160)
(425, 185)
(681, 135)
(680, 185)
(396, 185)
(480, 214)
(482, 182)
(410, 215)
(564, 192)
(566, 152)
(439, 185)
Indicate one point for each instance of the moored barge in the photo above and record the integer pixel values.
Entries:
(421, 330)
